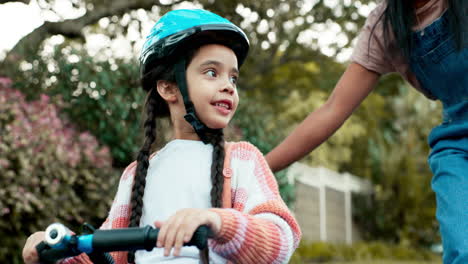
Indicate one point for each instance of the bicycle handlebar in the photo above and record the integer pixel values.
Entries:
(59, 244)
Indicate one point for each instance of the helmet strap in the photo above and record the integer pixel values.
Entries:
(191, 117)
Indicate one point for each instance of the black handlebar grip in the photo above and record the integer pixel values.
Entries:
(136, 238)
(125, 239)
(200, 238)
(48, 255)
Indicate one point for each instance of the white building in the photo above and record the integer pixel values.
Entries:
(323, 205)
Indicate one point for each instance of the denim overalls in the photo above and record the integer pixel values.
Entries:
(442, 70)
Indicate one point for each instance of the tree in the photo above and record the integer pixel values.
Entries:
(73, 28)
(402, 208)
(49, 73)
(290, 72)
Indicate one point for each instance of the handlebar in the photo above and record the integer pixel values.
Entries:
(60, 243)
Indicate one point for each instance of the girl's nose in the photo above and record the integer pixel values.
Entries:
(228, 87)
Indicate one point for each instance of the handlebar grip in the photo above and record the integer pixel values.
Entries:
(48, 255)
(200, 237)
(136, 238)
(124, 239)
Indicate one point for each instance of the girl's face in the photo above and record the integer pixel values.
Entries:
(212, 78)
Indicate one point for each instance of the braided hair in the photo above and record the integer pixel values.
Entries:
(156, 107)
(217, 178)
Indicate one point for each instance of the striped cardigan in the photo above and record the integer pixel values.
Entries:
(257, 226)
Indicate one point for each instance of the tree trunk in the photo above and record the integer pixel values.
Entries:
(13, 1)
(72, 28)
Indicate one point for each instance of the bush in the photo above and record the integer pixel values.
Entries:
(319, 252)
(102, 97)
(50, 172)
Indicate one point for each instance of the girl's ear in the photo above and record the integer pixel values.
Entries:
(167, 90)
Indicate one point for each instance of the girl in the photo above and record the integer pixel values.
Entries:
(189, 66)
(426, 42)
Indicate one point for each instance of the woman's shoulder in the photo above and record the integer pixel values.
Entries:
(378, 9)
(375, 16)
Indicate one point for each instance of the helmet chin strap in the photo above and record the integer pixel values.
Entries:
(191, 117)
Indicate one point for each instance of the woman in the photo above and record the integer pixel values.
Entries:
(426, 42)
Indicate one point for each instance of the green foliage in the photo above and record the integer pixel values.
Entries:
(318, 252)
(257, 125)
(50, 172)
(402, 208)
(335, 151)
(102, 97)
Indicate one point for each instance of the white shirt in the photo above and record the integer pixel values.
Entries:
(179, 176)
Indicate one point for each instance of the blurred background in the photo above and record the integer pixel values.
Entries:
(70, 109)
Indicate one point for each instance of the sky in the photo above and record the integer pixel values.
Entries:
(18, 19)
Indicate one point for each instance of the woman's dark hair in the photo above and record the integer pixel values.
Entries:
(156, 107)
(399, 18)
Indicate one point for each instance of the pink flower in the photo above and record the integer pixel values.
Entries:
(37, 125)
(45, 99)
(4, 163)
(6, 82)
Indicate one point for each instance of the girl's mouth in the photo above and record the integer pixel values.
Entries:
(223, 106)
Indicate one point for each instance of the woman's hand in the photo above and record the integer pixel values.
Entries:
(30, 255)
(179, 228)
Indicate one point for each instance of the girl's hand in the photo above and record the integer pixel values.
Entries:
(179, 228)
(30, 255)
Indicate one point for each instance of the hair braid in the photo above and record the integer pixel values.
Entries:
(138, 189)
(217, 178)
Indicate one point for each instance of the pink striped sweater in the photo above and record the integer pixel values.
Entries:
(257, 226)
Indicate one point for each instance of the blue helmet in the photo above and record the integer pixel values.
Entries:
(178, 27)
(180, 30)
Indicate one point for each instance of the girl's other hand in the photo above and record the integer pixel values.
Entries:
(179, 228)
(30, 255)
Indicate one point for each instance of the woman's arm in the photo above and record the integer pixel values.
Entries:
(354, 85)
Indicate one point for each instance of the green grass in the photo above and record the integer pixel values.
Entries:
(379, 262)
(385, 262)
(362, 253)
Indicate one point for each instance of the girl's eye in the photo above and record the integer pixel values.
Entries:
(234, 79)
(211, 73)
